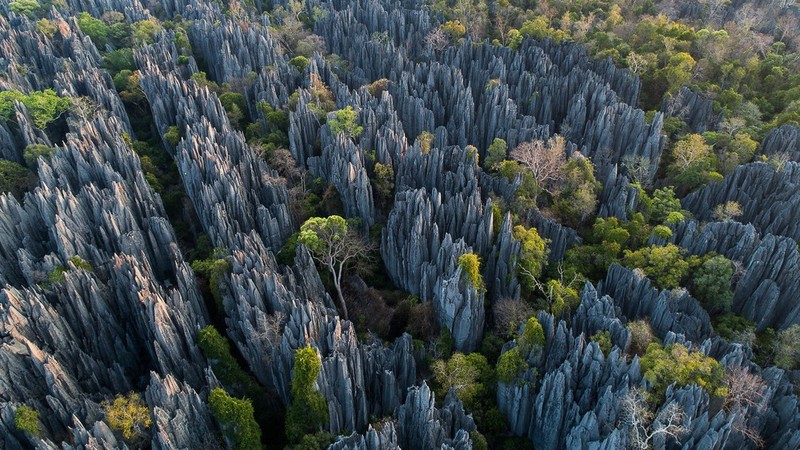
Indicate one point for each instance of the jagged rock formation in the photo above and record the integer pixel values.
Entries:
(694, 109)
(784, 139)
(769, 198)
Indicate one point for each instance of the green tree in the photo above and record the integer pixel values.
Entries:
(235, 108)
(95, 29)
(308, 410)
(26, 419)
(470, 265)
(495, 154)
(236, 419)
(532, 336)
(172, 136)
(144, 32)
(43, 106)
(34, 151)
(217, 350)
(383, 183)
(712, 283)
(29, 8)
(576, 200)
(468, 375)
(344, 122)
(674, 363)
(663, 204)
(665, 265)
(678, 71)
(15, 178)
(299, 62)
(603, 339)
(129, 415)
(214, 270)
(425, 140)
(510, 365)
(334, 245)
(533, 256)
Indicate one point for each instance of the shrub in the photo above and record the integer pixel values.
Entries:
(95, 29)
(603, 339)
(510, 365)
(344, 122)
(470, 266)
(735, 328)
(308, 410)
(532, 335)
(128, 415)
(236, 419)
(674, 363)
(15, 178)
(662, 232)
(665, 265)
(712, 283)
(34, 151)
(43, 106)
(533, 256)
(172, 136)
(469, 376)
(26, 419)
(495, 154)
(787, 348)
(214, 270)
(425, 140)
(299, 62)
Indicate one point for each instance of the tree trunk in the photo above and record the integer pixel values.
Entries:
(337, 283)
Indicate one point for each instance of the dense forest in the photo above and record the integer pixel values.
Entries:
(417, 224)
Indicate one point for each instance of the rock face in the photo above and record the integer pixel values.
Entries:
(768, 197)
(97, 299)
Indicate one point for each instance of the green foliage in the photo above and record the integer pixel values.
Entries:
(43, 106)
(444, 343)
(532, 335)
(34, 151)
(236, 420)
(533, 256)
(663, 203)
(712, 284)
(312, 232)
(383, 183)
(662, 232)
(469, 375)
(495, 154)
(674, 363)
(514, 39)
(308, 410)
(144, 32)
(603, 339)
(577, 197)
(26, 419)
(787, 348)
(235, 108)
(214, 270)
(665, 265)
(29, 8)
(478, 441)
(46, 27)
(128, 415)
(510, 365)
(733, 327)
(217, 350)
(470, 265)
(95, 29)
(344, 122)
(317, 441)
(299, 62)
(172, 136)
(15, 178)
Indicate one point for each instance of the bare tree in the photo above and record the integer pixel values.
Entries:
(437, 40)
(636, 62)
(509, 313)
(545, 160)
(270, 330)
(642, 425)
(639, 169)
(746, 395)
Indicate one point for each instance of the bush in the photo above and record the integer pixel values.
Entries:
(28, 8)
(470, 266)
(34, 151)
(495, 154)
(308, 410)
(43, 106)
(735, 328)
(217, 350)
(662, 232)
(15, 178)
(236, 420)
(470, 376)
(603, 339)
(532, 335)
(510, 365)
(299, 62)
(533, 256)
(787, 348)
(172, 136)
(95, 29)
(425, 140)
(345, 122)
(674, 363)
(128, 415)
(641, 336)
(665, 265)
(26, 419)
(712, 283)
(214, 270)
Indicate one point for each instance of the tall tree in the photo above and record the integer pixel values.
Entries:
(334, 245)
